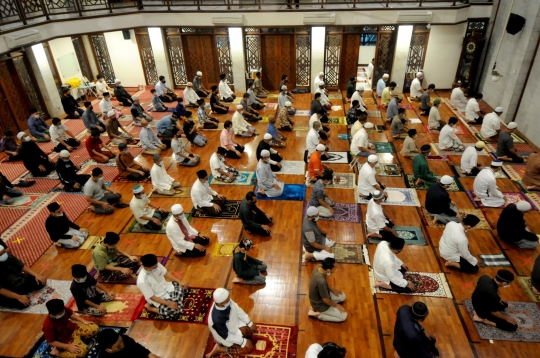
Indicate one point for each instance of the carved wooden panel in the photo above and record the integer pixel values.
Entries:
(8, 9)
(7, 120)
(81, 57)
(354, 29)
(52, 66)
(176, 57)
(30, 6)
(251, 29)
(60, 4)
(28, 83)
(224, 57)
(101, 53)
(385, 53)
(147, 57)
(331, 59)
(278, 58)
(287, 57)
(14, 94)
(253, 48)
(415, 61)
(349, 58)
(94, 2)
(303, 60)
(211, 73)
(200, 55)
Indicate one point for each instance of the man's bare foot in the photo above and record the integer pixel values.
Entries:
(374, 235)
(238, 280)
(435, 221)
(91, 208)
(381, 284)
(535, 291)
(464, 172)
(262, 192)
(418, 182)
(55, 351)
(57, 244)
(213, 352)
(312, 313)
(477, 199)
(478, 319)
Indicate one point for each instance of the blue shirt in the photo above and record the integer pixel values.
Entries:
(381, 85)
(392, 109)
(164, 124)
(180, 110)
(37, 126)
(273, 131)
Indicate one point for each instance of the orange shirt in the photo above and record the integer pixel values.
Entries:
(315, 163)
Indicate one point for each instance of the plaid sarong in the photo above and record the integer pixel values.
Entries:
(177, 295)
(494, 260)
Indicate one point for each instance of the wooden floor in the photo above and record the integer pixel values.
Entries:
(368, 331)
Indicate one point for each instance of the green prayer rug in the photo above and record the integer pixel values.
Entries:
(411, 234)
(384, 147)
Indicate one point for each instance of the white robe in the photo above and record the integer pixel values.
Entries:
(366, 180)
(454, 244)
(237, 319)
(190, 96)
(312, 140)
(356, 96)
(375, 219)
(485, 188)
(160, 179)
(448, 138)
(177, 237)
(469, 159)
(386, 266)
(201, 195)
(224, 90)
(490, 125)
(266, 179)
(239, 124)
(458, 99)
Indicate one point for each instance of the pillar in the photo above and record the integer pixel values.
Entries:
(159, 48)
(236, 41)
(401, 55)
(318, 40)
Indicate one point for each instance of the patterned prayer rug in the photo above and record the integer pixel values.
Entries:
(409, 183)
(92, 162)
(122, 179)
(458, 129)
(130, 280)
(51, 175)
(219, 128)
(482, 225)
(526, 284)
(27, 201)
(437, 157)
(350, 254)
(512, 198)
(182, 192)
(514, 171)
(246, 178)
(296, 192)
(9, 216)
(53, 289)
(135, 227)
(335, 96)
(517, 138)
(109, 173)
(301, 128)
(374, 113)
(75, 126)
(479, 137)
(271, 106)
(12, 171)
(79, 155)
(344, 136)
(229, 211)
(384, 147)
(406, 106)
(270, 95)
(398, 197)
(46, 147)
(43, 350)
(411, 234)
(388, 170)
(224, 249)
(91, 242)
(534, 198)
(270, 341)
(302, 112)
(196, 307)
(296, 167)
(527, 316)
(338, 158)
(336, 120)
(426, 284)
(43, 186)
(522, 148)
(457, 169)
(124, 308)
(340, 181)
(451, 152)
(368, 100)
(342, 212)
(492, 260)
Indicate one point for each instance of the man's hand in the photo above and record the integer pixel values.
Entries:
(510, 320)
(104, 157)
(340, 308)
(107, 206)
(254, 328)
(82, 229)
(41, 168)
(269, 217)
(125, 271)
(410, 285)
(76, 185)
(217, 208)
(238, 153)
(156, 221)
(45, 135)
(6, 198)
(73, 348)
(76, 239)
(24, 300)
(199, 247)
(394, 232)
(275, 186)
(220, 196)
(101, 309)
(328, 249)
(249, 345)
(265, 228)
(279, 165)
(69, 148)
(331, 210)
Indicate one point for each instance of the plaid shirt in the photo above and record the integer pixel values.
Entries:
(201, 115)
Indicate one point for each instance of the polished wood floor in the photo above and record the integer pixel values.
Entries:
(368, 331)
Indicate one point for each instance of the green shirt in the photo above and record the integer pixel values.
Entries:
(104, 256)
(421, 170)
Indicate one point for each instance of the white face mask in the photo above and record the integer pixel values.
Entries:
(100, 181)
(60, 316)
(161, 163)
(27, 139)
(80, 280)
(181, 217)
(242, 112)
(37, 116)
(316, 219)
(4, 257)
(60, 215)
(126, 151)
(108, 99)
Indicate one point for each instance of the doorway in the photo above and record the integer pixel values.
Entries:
(278, 58)
(200, 55)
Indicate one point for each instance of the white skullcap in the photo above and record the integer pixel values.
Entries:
(523, 206)
(283, 87)
(267, 136)
(512, 125)
(447, 180)
(117, 80)
(135, 98)
(497, 163)
(138, 189)
(372, 158)
(386, 75)
(239, 106)
(288, 104)
(189, 84)
(419, 74)
(320, 147)
(177, 209)
(499, 110)
(111, 113)
(378, 195)
(321, 73)
(312, 211)
(321, 83)
(368, 125)
(220, 295)
(21, 135)
(265, 153)
(359, 87)
(199, 73)
(64, 153)
(480, 144)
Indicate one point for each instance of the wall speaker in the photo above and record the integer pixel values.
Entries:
(515, 24)
(127, 35)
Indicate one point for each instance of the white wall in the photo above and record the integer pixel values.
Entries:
(318, 35)
(91, 58)
(443, 52)
(400, 56)
(366, 54)
(236, 40)
(45, 80)
(62, 47)
(160, 53)
(125, 58)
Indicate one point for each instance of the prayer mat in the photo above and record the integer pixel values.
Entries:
(336, 108)
(13, 171)
(75, 126)
(411, 234)
(43, 186)
(527, 316)
(182, 192)
(128, 281)
(123, 179)
(43, 350)
(110, 163)
(79, 155)
(338, 158)
(520, 185)
(51, 175)
(514, 171)
(53, 289)
(237, 100)
(135, 227)
(437, 157)
(491, 260)
(246, 178)
(452, 152)
(406, 106)
(374, 113)
(523, 155)
(384, 147)
(457, 169)
(27, 201)
(336, 120)
(302, 112)
(458, 129)
(196, 307)
(427, 284)
(270, 341)
(517, 138)
(219, 128)
(91, 242)
(368, 100)
(526, 284)
(46, 147)
(398, 197)
(479, 137)
(124, 308)
(270, 95)
(522, 148)
(342, 212)
(482, 225)
(224, 249)
(301, 128)
(109, 173)
(534, 198)
(335, 96)
(387, 170)
(344, 136)
(349, 254)
(270, 106)
(296, 167)
(340, 181)
(229, 211)
(10, 216)
(409, 183)
(296, 192)
(512, 198)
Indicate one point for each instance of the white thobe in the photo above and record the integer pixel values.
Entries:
(202, 195)
(224, 90)
(239, 124)
(101, 87)
(360, 139)
(141, 207)
(324, 97)
(469, 159)
(190, 96)
(312, 140)
(314, 118)
(177, 237)
(215, 164)
(317, 82)
(266, 179)
(356, 127)
(454, 244)
(485, 188)
(154, 284)
(105, 106)
(490, 125)
(434, 118)
(369, 71)
(416, 88)
(57, 132)
(357, 96)
(237, 319)
(366, 180)
(471, 108)
(386, 265)
(448, 137)
(458, 99)
(160, 88)
(149, 139)
(381, 85)
(160, 179)
(375, 219)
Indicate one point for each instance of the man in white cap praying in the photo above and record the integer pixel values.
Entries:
(113, 127)
(316, 245)
(149, 215)
(368, 179)
(316, 168)
(378, 225)
(275, 157)
(240, 126)
(149, 140)
(448, 140)
(267, 182)
(185, 240)
(163, 183)
(198, 86)
(469, 159)
(282, 101)
(438, 203)
(190, 96)
(284, 121)
(138, 113)
(324, 98)
(230, 326)
(121, 94)
(454, 245)
(381, 84)
(165, 93)
(491, 126)
(360, 144)
(505, 146)
(512, 227)
(457, 98)
(318, 80)
(357, 96)
(325, 300)
(388, 269)
(485, 186)
(225, 92)
(416, 87)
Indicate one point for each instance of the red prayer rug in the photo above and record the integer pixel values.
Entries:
(128, 281)
(75, 126)
(514, 171)
(196, 307)
(27, 201)
(9, 216)
(79, 155)
(40, 186)
(270, 341)
(12, 170)
(124, 307)
(46, 147)
(109, 172)
(512, 198)
(426, 284)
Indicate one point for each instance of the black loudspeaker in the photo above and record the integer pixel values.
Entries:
(515, 24)
(126, 34)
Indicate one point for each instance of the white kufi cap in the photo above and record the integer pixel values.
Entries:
(220, 295)
(320, 147)
(523, 206)
(283, 88)
(239, 106)
(199, 73)
(177, 209)
(512, 125)
(135, 98)
(312, 211)
(372, 158)
(386, 75)
(499, 110)
(419, 74)
(64, 153)
(117, 80)
(288, 104)
(368, 125)
(21, 135)
(321, 73)
(359, 87)
(497, 163)
(447, 180)
(111, 113)
(265, 153)
(267, 136)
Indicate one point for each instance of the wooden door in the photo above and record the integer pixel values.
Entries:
(350, 48)
(278, 58)
(200, 55)
(14, 100)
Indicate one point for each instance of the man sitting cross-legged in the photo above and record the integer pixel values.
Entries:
(240, 126)
(267, 182)
(275, 157)
(225, 92)
(183, 156)
(377, 224)
(163, 183)
(191, 130)
(319, 198)
(138, 113)
(247, 269)
(448, 140)
(96, 150)
(422, 173)
(116, 345)
(163, 291)
(204, 198)
(88, 293)
(234, 149)
(113, 127)
(90, 118)
(112, 263)
(454, 246)
(147, 214)
(254, 219)
(149, 140)
(128, 167)
(325, 300)
(215, 104)
(221, 169)
(388, 269)
(316, 245)
(205, 120)
(185, 240)
(59, 138)
(62, 231)
(100, 196)
(67, 173)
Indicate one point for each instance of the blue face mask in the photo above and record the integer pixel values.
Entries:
(4, 257)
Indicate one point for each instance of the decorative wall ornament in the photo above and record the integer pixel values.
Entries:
(224, 56)
(331, 59)
(303, 60)
(28, 83)
(147, 56)
(103, 59)
(176, 57)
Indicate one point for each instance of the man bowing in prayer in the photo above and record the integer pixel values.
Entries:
(388, 269)
(185, 240)
(485, 186)
(267, 182)
(438, 203)
(204, 198)
(512, 227)
(454, 246)
(230, 326)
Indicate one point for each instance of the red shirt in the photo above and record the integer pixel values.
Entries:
(59, 329)
(315, 163)
(94, 144)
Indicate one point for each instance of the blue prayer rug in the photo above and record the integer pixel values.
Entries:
(295, 192)
(344, 136)
(411, 234)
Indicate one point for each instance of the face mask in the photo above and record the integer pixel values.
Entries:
(164, 82)
(4, 257)
(242, 112)
(161, 163)
(227, 304)
(190, 119)
(126, 151)
(108, 99)
(230, 129)
(27, 139)
(316, 219)
(60, 316)
(37, 116)
(60, 215)
(328, 273)
(80, 280)
(100, 181)
(155, 271)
